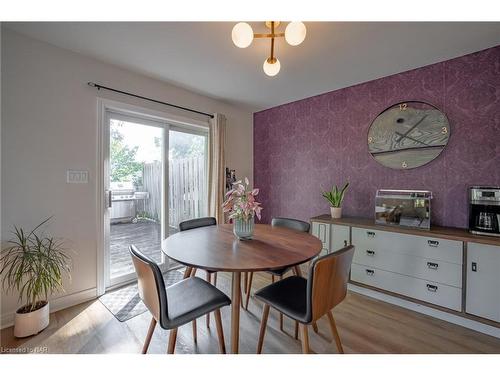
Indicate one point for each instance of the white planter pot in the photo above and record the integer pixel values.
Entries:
(31, 323)
(336, 212)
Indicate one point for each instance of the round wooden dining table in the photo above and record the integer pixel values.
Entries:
(215, 248)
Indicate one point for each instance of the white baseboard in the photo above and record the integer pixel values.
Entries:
(55, 304)
(426, 310)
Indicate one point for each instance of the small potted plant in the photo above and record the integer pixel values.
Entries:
(241, 205)
(33, 265)
(335, 198)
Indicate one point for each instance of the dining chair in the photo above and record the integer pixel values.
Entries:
(178, 304)
(307, 300)
(295, 224)
(193, 224)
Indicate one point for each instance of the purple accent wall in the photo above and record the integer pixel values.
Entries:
(319, 141)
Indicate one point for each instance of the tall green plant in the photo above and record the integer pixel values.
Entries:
(336, 195)
(124, 166)
(33, 266)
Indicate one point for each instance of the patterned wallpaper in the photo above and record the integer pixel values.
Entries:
(313, 143)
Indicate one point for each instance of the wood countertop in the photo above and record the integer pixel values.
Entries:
(449, 233)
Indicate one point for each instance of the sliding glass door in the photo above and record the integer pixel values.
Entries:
(155, 176)
(134, 193)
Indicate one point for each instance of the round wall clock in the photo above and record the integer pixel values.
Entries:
(408, 135)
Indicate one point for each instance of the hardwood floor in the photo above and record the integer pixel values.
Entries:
(365, 325)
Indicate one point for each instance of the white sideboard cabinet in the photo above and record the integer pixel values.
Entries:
(443, 267)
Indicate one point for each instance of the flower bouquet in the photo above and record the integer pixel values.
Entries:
(242, 207)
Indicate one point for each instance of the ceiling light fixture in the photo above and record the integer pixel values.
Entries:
(294, 34)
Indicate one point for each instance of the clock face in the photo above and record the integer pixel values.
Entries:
(408, 135)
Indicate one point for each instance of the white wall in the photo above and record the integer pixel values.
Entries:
(49, 117)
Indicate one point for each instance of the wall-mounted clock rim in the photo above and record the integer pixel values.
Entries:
(394, 105)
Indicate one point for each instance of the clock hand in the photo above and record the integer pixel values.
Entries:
(395, 151)
(401, 136)
(411, 138)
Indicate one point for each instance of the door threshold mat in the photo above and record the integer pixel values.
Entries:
(124, 303)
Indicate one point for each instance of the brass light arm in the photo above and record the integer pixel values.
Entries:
(272, 59)
(276, 35)
(272, 35)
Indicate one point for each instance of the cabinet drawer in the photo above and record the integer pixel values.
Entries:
(421, 246)
(425, 290)
(423, 268)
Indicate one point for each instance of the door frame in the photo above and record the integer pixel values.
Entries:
(168, 119)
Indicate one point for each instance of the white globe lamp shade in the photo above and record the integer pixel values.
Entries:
(271, 69)
(295, 33)
(242, 35)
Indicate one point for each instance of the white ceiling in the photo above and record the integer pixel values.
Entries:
(200, 56)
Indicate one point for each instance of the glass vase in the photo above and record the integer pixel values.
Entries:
(243, 229)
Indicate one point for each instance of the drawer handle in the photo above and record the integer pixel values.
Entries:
(370, 253)
(433, 243)
(432, 266)
(370, 272)
(432, 288)
(370, 234)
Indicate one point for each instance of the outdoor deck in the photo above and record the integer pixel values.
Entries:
(146, 235)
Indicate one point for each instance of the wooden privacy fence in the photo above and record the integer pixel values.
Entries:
(151, 181)
(187, 189)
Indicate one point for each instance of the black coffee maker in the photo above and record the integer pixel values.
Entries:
(484, 210)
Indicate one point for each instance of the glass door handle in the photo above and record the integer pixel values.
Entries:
(108, 193)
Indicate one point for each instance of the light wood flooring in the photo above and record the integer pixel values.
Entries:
(365, 325)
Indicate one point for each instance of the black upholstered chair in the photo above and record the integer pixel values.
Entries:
(307, 300)
(199, 223)
(178, 304)
(294, 224)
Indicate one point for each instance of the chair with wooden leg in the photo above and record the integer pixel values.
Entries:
(294, 224)
(178, 304)
(193, 224)
(307, 300)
